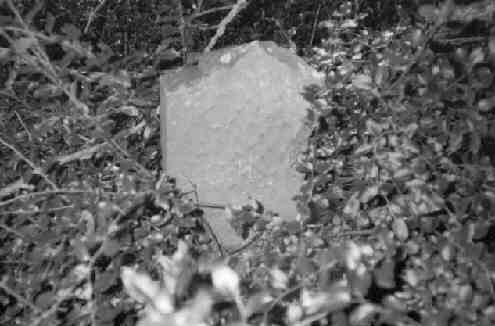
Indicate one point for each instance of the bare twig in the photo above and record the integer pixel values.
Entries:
(34, 167)
(126, 154)
(18, 297)
(315, 24)
(277, 300)
(14, 187)
(241, 4)
(12, 230)
(210, 11)
(422, 48)
(39, 58)
(21, 121)
(182, 29)
(56, 192)
(81, 154)
(206, 224)
(37, 211)
(87, 152)
(246, 244)
(355, 233)
(92, 15)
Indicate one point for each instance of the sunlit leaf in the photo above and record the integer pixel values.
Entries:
(294, 313)
(142, 288)
(225, 280)
(279, 279)
(362, 81)
(338, 298)
(400, 229)
(352, 206)
(363, 314)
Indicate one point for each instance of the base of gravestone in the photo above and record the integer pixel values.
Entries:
(234, 124)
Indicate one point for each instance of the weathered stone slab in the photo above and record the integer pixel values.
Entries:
(233, 125)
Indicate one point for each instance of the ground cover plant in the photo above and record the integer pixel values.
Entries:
(396, 214)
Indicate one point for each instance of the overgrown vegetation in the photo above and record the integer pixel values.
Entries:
(396, 219)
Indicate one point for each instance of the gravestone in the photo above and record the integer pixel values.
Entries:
(234, 124)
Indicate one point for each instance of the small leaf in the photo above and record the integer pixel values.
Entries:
(384, 274)
(365, 148)
(294, 313)
(87, 216)
(477, 56)
(363, 314)
(349, 23)
(428, 12)
(486, 104)
(4, 52)
(338, 298)
(369, 193)
(45, 300)
(105, 280)
(50, 23)
(352, 256)
(71, 31)
(225, 280)
(411, 277)
(362, 81)
(400, 229)
(352, 206)
(360, 280)
(141, 287)
(436, 319)
(21, 45)
(279, 279)
(193, 314)
(305, 266)
(258, 303)
(111, 248)
(491, 45)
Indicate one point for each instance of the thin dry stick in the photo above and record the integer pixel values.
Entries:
(86, 152)
(34, 212)
(241, 4)
(18, 297)
(207, 225)
(136, 163)
(36, 169)
(21, 121)
(279, 299)
(112, 228)
(47, 193)
(421, 50)
(40, 60)
(182, 29)
(315, 24)
(92, 15)
(13, 231)
(210, 11)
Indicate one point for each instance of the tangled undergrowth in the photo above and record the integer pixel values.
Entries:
(395, 222)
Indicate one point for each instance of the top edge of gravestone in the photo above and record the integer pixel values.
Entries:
(226, 58)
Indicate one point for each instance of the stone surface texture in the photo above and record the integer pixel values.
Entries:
(234, 125)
